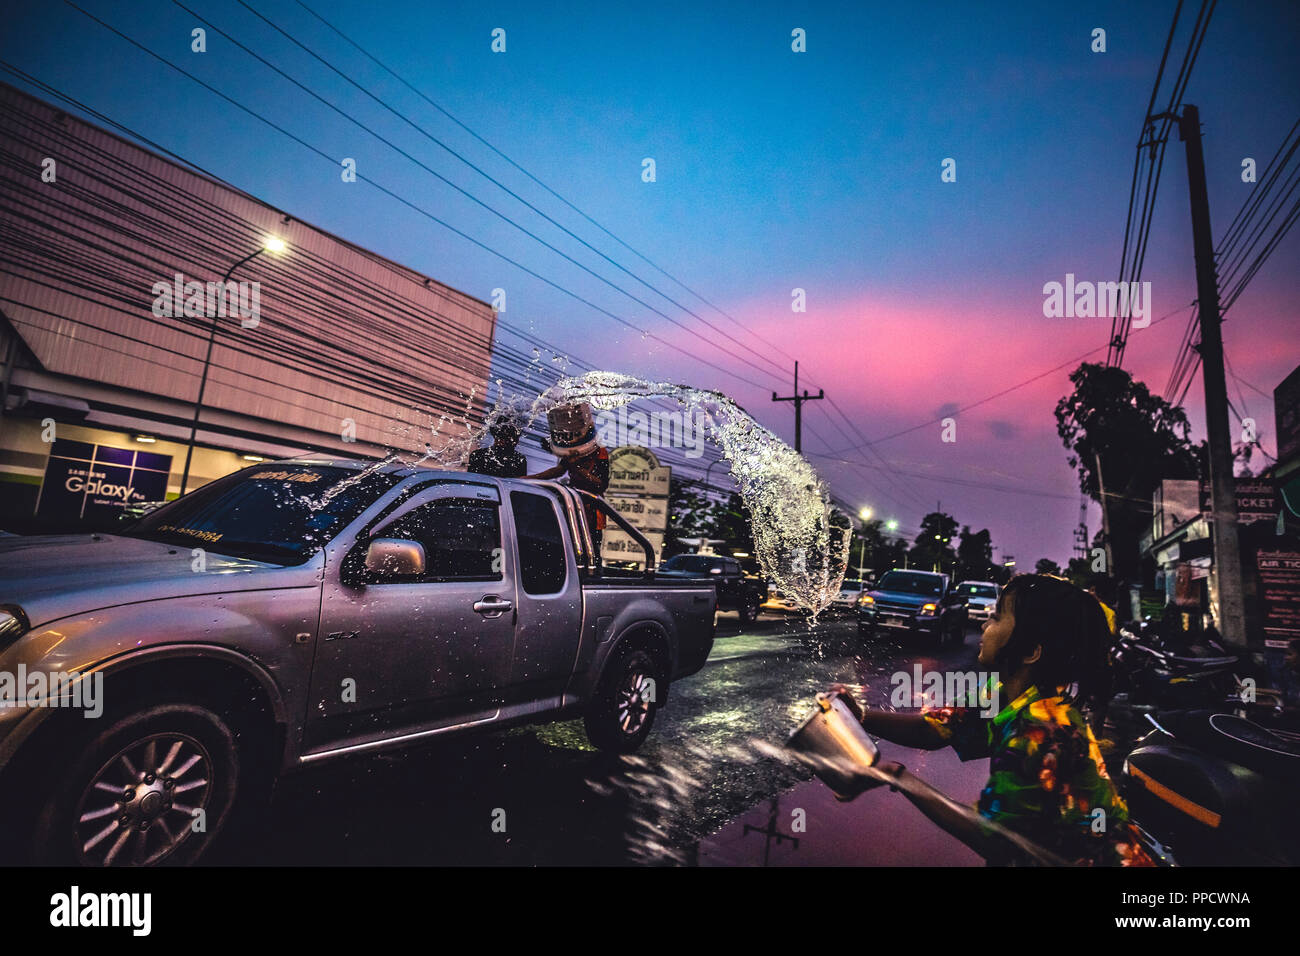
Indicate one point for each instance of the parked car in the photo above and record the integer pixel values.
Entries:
(847, 598)
(737, 591)
(778, 602)
(981, 598)
(303, 611)
(916, 602)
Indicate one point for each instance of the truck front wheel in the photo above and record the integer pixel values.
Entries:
(155, 787)
(623, 710)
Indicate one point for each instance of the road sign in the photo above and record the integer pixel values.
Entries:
(638, 491)
(636, 471)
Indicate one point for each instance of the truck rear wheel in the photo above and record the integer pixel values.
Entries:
(134, 793)
(623, 710)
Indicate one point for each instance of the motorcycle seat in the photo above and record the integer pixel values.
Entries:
(1201, 661)
(1256, 747)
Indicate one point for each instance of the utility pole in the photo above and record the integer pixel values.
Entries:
(1081, 532)
(1105, 516)
(1223, 494)
(798, 407)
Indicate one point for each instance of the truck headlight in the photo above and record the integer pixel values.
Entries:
(866, 600)
(929, 608)
(13, 624)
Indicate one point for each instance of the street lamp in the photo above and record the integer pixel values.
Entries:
(272, 244)
(865, 514)
(715, 461)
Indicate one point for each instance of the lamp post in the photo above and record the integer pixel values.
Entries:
(271, 245)
(864, 515)
(707, 486)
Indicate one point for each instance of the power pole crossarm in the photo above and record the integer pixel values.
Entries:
(798, 407)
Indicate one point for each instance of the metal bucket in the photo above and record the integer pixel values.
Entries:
(834, 745)
(571, 425)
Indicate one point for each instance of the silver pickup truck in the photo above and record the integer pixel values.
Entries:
(160, 679)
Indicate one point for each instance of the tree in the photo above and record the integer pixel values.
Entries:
(1137, 438)
(1048, 566)
(875, 550)
(694, 514)
(974, 555)
(932, 550)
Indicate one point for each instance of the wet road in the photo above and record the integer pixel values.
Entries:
(541, 795)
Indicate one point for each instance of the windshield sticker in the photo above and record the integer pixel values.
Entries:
(192, 532)
(306, 477)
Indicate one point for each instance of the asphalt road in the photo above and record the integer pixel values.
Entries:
(541, 795)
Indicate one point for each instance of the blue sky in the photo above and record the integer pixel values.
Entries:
(775, 170)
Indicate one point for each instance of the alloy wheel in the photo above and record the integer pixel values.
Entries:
(140, 805)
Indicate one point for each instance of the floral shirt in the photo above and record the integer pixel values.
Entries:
(1046, 778)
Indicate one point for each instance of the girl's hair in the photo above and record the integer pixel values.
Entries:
(1070, 627)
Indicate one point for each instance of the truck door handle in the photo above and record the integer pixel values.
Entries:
(492, 606)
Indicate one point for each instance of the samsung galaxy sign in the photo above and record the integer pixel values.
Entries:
(89, 481)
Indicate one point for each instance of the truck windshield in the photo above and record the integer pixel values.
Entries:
(264, 512)
(910, 582)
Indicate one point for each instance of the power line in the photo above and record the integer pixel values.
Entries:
(538, 181)
(406, 119)
(1240, 240)
(416, 208)
(1121, 324)
(155, 232)
(1005, 391)
(443, 179)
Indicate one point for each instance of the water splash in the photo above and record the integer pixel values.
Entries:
(799, 537)
(801, 540)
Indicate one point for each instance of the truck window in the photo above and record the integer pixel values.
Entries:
(543, 562)
(266, 512)
(461, 538)
(912, 582)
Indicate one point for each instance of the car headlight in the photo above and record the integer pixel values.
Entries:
(13, 624)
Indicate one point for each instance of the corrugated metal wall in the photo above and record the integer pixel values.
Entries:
(342, 333)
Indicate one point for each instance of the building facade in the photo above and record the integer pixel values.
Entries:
(126, 275)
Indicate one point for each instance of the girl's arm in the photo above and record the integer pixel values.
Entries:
(910, 730)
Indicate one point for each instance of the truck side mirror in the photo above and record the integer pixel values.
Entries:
(394, 557)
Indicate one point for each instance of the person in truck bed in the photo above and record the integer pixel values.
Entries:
(584, 459)
(500, 459)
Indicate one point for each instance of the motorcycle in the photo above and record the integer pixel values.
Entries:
(1156, 671)
(1218, 789)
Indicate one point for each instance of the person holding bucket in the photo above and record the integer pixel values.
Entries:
(584, 459)
(1048, 641)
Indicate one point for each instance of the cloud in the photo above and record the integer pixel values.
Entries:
(1003, 430)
